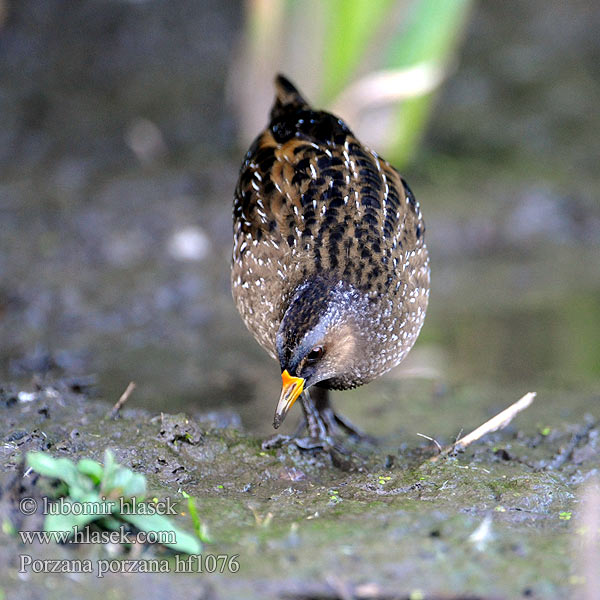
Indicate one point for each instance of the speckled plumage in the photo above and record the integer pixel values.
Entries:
(326, 231)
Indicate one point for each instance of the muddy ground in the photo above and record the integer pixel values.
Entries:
(501, 520)
(114, 266)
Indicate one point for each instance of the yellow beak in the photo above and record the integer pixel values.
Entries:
(291, 388)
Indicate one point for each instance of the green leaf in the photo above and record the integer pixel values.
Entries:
(58, 468)
(115, 480)
(129, 484)
(430, 35)
(110, 523)
(200, 527)
(110, 468)
(91, 468)
(8, 528)
(44, 464)
(185, 542)
(351, 26)
(66, 522)
(119, 481)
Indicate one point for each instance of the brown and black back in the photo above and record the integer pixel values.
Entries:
(312, 202)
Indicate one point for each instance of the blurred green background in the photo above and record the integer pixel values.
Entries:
(124, 124)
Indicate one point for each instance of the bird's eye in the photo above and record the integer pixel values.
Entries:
(315, 354)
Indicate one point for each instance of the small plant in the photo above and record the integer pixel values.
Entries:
(200, 527)
(376, 64)
(108, 496)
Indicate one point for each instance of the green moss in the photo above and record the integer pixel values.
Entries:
(372, 523)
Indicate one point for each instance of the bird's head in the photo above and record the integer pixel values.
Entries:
(318, 340)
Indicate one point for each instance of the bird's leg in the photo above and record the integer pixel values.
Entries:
(317, 439)
(319, 418)
(317, 428)
(318, 435)
(302, 425)
(322, 422)
(334, 421)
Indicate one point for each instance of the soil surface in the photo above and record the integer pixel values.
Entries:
(389, 524)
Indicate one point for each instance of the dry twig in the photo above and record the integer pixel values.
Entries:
(119, 403)
(500, 421)
(427, 437)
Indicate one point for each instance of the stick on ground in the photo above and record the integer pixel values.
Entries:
(119, 403)
(500, 421)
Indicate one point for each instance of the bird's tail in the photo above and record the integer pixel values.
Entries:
(286, 97)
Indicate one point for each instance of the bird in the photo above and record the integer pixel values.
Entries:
(330, 270)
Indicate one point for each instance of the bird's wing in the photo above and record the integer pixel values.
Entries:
(311, 199)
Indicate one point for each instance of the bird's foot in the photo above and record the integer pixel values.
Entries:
(276, 441)
(302, 443)
(310, 442)
(315, 443)
(340, 457)
(324, 428)
(321, 415)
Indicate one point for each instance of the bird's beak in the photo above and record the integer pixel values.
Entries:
(292, 387)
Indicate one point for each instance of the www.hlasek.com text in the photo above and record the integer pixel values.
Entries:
(95, 536)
